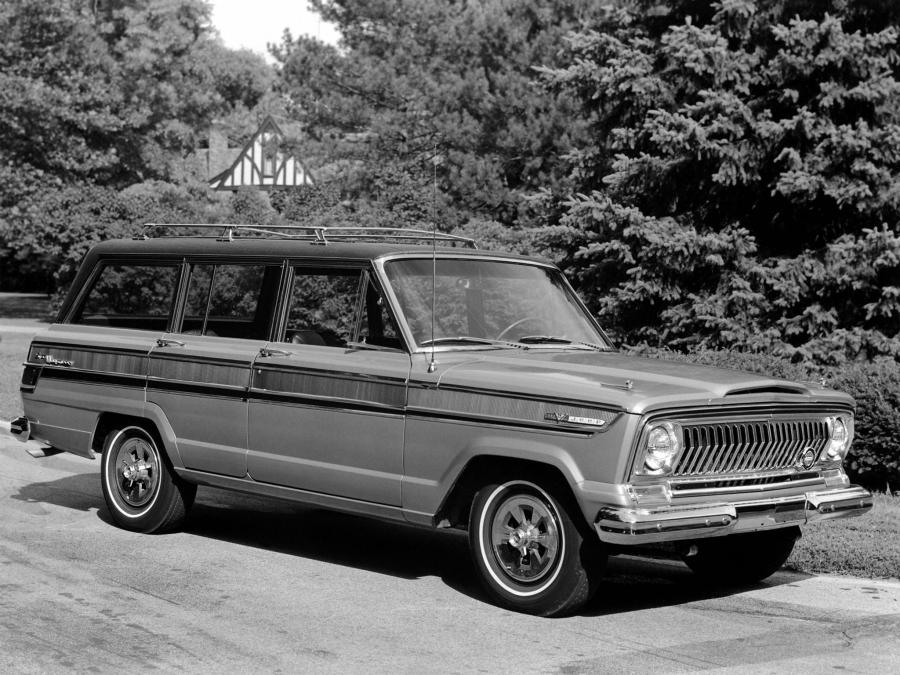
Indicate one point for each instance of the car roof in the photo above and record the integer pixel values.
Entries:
(283, 248)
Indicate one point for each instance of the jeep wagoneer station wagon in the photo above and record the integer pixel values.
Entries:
(415, 378)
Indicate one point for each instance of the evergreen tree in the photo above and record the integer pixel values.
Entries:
(742, 183)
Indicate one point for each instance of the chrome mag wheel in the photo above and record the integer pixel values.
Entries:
(530, 553)
(140, 488)
(137, 471)
(525, 538)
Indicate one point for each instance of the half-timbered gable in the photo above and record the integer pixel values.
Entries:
(264, 164)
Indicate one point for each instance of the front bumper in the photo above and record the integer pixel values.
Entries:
(633, 526)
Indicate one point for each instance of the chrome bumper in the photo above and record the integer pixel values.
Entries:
(631, 526)
(20, 428)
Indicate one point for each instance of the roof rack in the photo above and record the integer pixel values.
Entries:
(315, 235)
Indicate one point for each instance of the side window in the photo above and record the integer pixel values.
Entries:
(230, 300)
(130, 296)
(376, 327)
(323, 306)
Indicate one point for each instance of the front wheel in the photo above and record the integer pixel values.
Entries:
(529, 552)
(742, 559)
(141, 491)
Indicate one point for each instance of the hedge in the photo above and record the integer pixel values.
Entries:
(874, 459)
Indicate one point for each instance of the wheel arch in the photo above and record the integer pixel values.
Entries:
(486, 468)
(153, 421)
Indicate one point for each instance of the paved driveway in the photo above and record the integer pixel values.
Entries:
(264, 586)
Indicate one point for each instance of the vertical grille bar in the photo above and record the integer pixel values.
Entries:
(690, 450)
(793, 445)
(699, 445)
(771, 455)
(724, 442)
(739, 432)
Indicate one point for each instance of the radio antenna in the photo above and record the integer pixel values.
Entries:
(432, 364)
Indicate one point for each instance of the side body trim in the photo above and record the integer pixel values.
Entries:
(250, 486)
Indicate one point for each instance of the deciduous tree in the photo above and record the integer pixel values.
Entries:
(417, 82)
(99, 95)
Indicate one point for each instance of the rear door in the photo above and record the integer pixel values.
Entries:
(328, 395)
(96, 359)
(199, 374)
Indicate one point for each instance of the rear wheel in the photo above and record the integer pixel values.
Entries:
(742, 559)
(141, 490)
(529, 553)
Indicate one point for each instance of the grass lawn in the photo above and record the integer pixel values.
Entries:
(868, 546)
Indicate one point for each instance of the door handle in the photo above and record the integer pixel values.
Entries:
(266, 352)
(168, 342)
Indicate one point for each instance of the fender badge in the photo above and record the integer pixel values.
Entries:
(562, 418)
(51, 360)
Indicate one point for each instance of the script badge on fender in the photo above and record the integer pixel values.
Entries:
(51, 360)
(562, 418)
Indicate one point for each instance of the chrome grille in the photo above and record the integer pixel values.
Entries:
(742, 447)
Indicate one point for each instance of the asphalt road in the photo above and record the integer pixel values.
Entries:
(262, 586)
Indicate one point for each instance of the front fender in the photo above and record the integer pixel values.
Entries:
(436, 456)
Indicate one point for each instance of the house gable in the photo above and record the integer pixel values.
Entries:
(263, 164)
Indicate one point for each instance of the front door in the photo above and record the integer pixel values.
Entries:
(200, 374)
(327, 398)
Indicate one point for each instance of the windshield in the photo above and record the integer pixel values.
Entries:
(484, 302)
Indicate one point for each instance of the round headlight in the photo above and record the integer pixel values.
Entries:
(840, 435)
(662, 447)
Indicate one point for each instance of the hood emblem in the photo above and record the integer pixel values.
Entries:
(51, 360)
(627, 385)
(563, 418)
(807, 458)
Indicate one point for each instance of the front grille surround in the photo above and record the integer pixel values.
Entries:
(744, 447)
(739, 447)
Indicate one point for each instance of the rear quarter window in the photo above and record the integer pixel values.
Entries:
(138, 296)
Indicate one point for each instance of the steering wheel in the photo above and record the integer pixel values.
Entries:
(502, 334)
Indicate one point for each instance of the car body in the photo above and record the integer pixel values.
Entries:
(308, 365)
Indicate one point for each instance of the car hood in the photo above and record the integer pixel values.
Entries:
(631, 383)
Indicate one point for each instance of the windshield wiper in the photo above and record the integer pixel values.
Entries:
(555, 340)
(544, 339)
(468, 339)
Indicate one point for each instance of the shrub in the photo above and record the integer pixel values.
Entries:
(875, 457)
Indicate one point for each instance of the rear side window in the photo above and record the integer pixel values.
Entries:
(230, 300)
(130, 296)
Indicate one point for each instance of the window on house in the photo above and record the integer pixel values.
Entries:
(270, 160)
